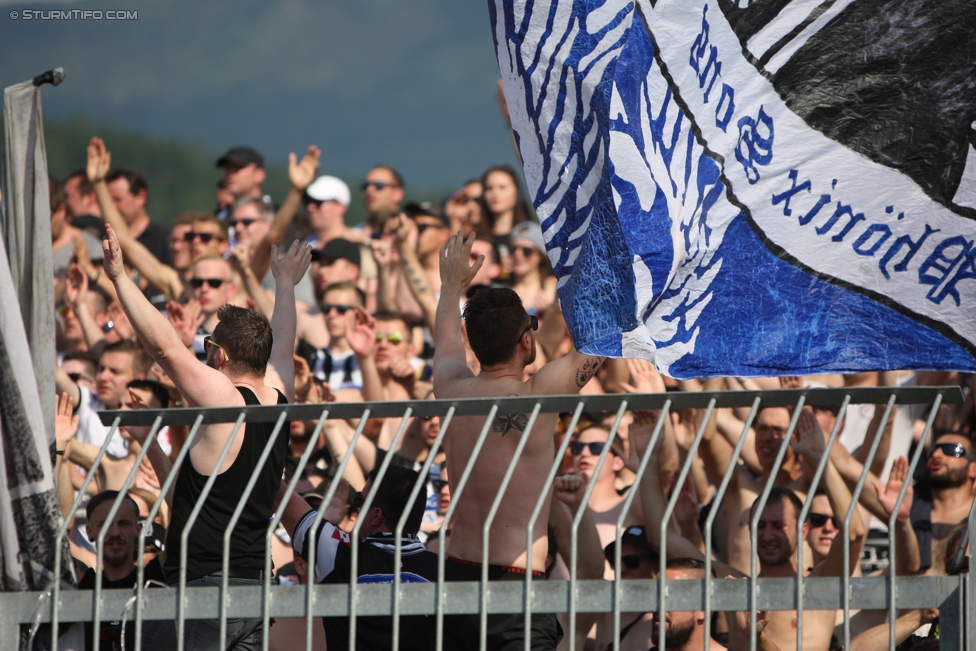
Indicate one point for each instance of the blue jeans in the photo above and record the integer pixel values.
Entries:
(204, 634)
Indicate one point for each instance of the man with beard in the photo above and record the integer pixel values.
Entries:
(943, 497)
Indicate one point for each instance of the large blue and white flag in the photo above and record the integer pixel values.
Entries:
(757, 187)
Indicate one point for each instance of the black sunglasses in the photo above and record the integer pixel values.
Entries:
(243, 222)
(956, 450)
(633, 561)
(596, 448)
(340, 309)
(189, 236)
(379, 185)
(438, 485)
(215, 283)
(526, 251)
(820, 519)
(533, 325)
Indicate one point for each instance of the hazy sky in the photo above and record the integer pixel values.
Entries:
(408, 83)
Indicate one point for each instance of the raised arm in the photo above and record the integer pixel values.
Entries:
(76, 294)
(450, 359)
(301, 174)
(908, 560)
(161, 276)
(200, 385)
(240, 259)
(288, 271)
(809, 443)
(414, 271)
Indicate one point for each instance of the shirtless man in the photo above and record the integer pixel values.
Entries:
(502, 337)
(244, 344)
(777, 536)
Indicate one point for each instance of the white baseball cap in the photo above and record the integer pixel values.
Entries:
(329, 188)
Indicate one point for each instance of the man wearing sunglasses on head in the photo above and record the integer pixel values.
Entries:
(502, 336)
(239, 353)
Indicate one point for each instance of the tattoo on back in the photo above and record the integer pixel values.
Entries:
(584, 373)
(506, 423)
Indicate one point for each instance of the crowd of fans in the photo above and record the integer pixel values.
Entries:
(260, 302)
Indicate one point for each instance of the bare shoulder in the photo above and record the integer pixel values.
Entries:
(567, 374)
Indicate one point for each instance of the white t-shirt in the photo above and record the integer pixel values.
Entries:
(90, 428)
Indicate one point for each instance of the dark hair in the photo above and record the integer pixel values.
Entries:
(493, 318)
(85, 356)
(85, 186)
(107, 496)
(246, 336)
(778, 494)
(387, 316)
(159, 392)
(141, 361)
(685, 564)
(396, 175)
(55, 193)
(391, 496)
(521, 213)
(137, 182)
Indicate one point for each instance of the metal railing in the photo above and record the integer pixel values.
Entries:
(954, 595)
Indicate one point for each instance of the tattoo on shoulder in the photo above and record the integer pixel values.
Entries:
(585, 372)
(508, 422)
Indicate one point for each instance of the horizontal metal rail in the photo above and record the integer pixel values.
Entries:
(815, 397)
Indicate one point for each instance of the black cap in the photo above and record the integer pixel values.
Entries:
(636, 535)
(425, 209)
(241, 156)
(153, 542)
(338, 249)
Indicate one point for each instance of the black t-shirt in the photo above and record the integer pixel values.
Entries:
(333, 564)
(110, 635)
(156, 239)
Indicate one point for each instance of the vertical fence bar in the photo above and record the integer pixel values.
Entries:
(802, 517)
(319, 516)
(398, 544)
(754, 523)
(228, 532)
(625, 510)
(574, 532)
(846, 531)
(185, 536)
(713, 512)
(923, 443)
(147, 526)
(530, 527)
(486, 528)
(100, 543)
(367, 504)
(685, 469)
(455, 498)
(266, 600)
(89, 477)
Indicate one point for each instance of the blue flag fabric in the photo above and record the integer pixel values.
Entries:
(753, 188)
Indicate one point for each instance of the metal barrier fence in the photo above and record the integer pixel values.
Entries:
(954, 595)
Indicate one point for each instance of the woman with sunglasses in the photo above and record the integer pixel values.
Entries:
(532, 277)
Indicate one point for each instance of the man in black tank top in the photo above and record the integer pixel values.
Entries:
(243, 345)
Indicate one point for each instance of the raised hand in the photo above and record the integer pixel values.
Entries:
(569, 490)
(301, 174)
(403, 229)
(687, 509)
(402, 371)
(790, 382)
(138, 432)
(99, 160)
(457, 272)
(338, 508)
(303, 378)
(640, 432)
(382, 253)
(185, 319)
(644, 377)
(292, 267)
(112, 262)
(888, 494)
(65, 420)
(361, 334)
(240, 257)
(809, 439)
(76, 289)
